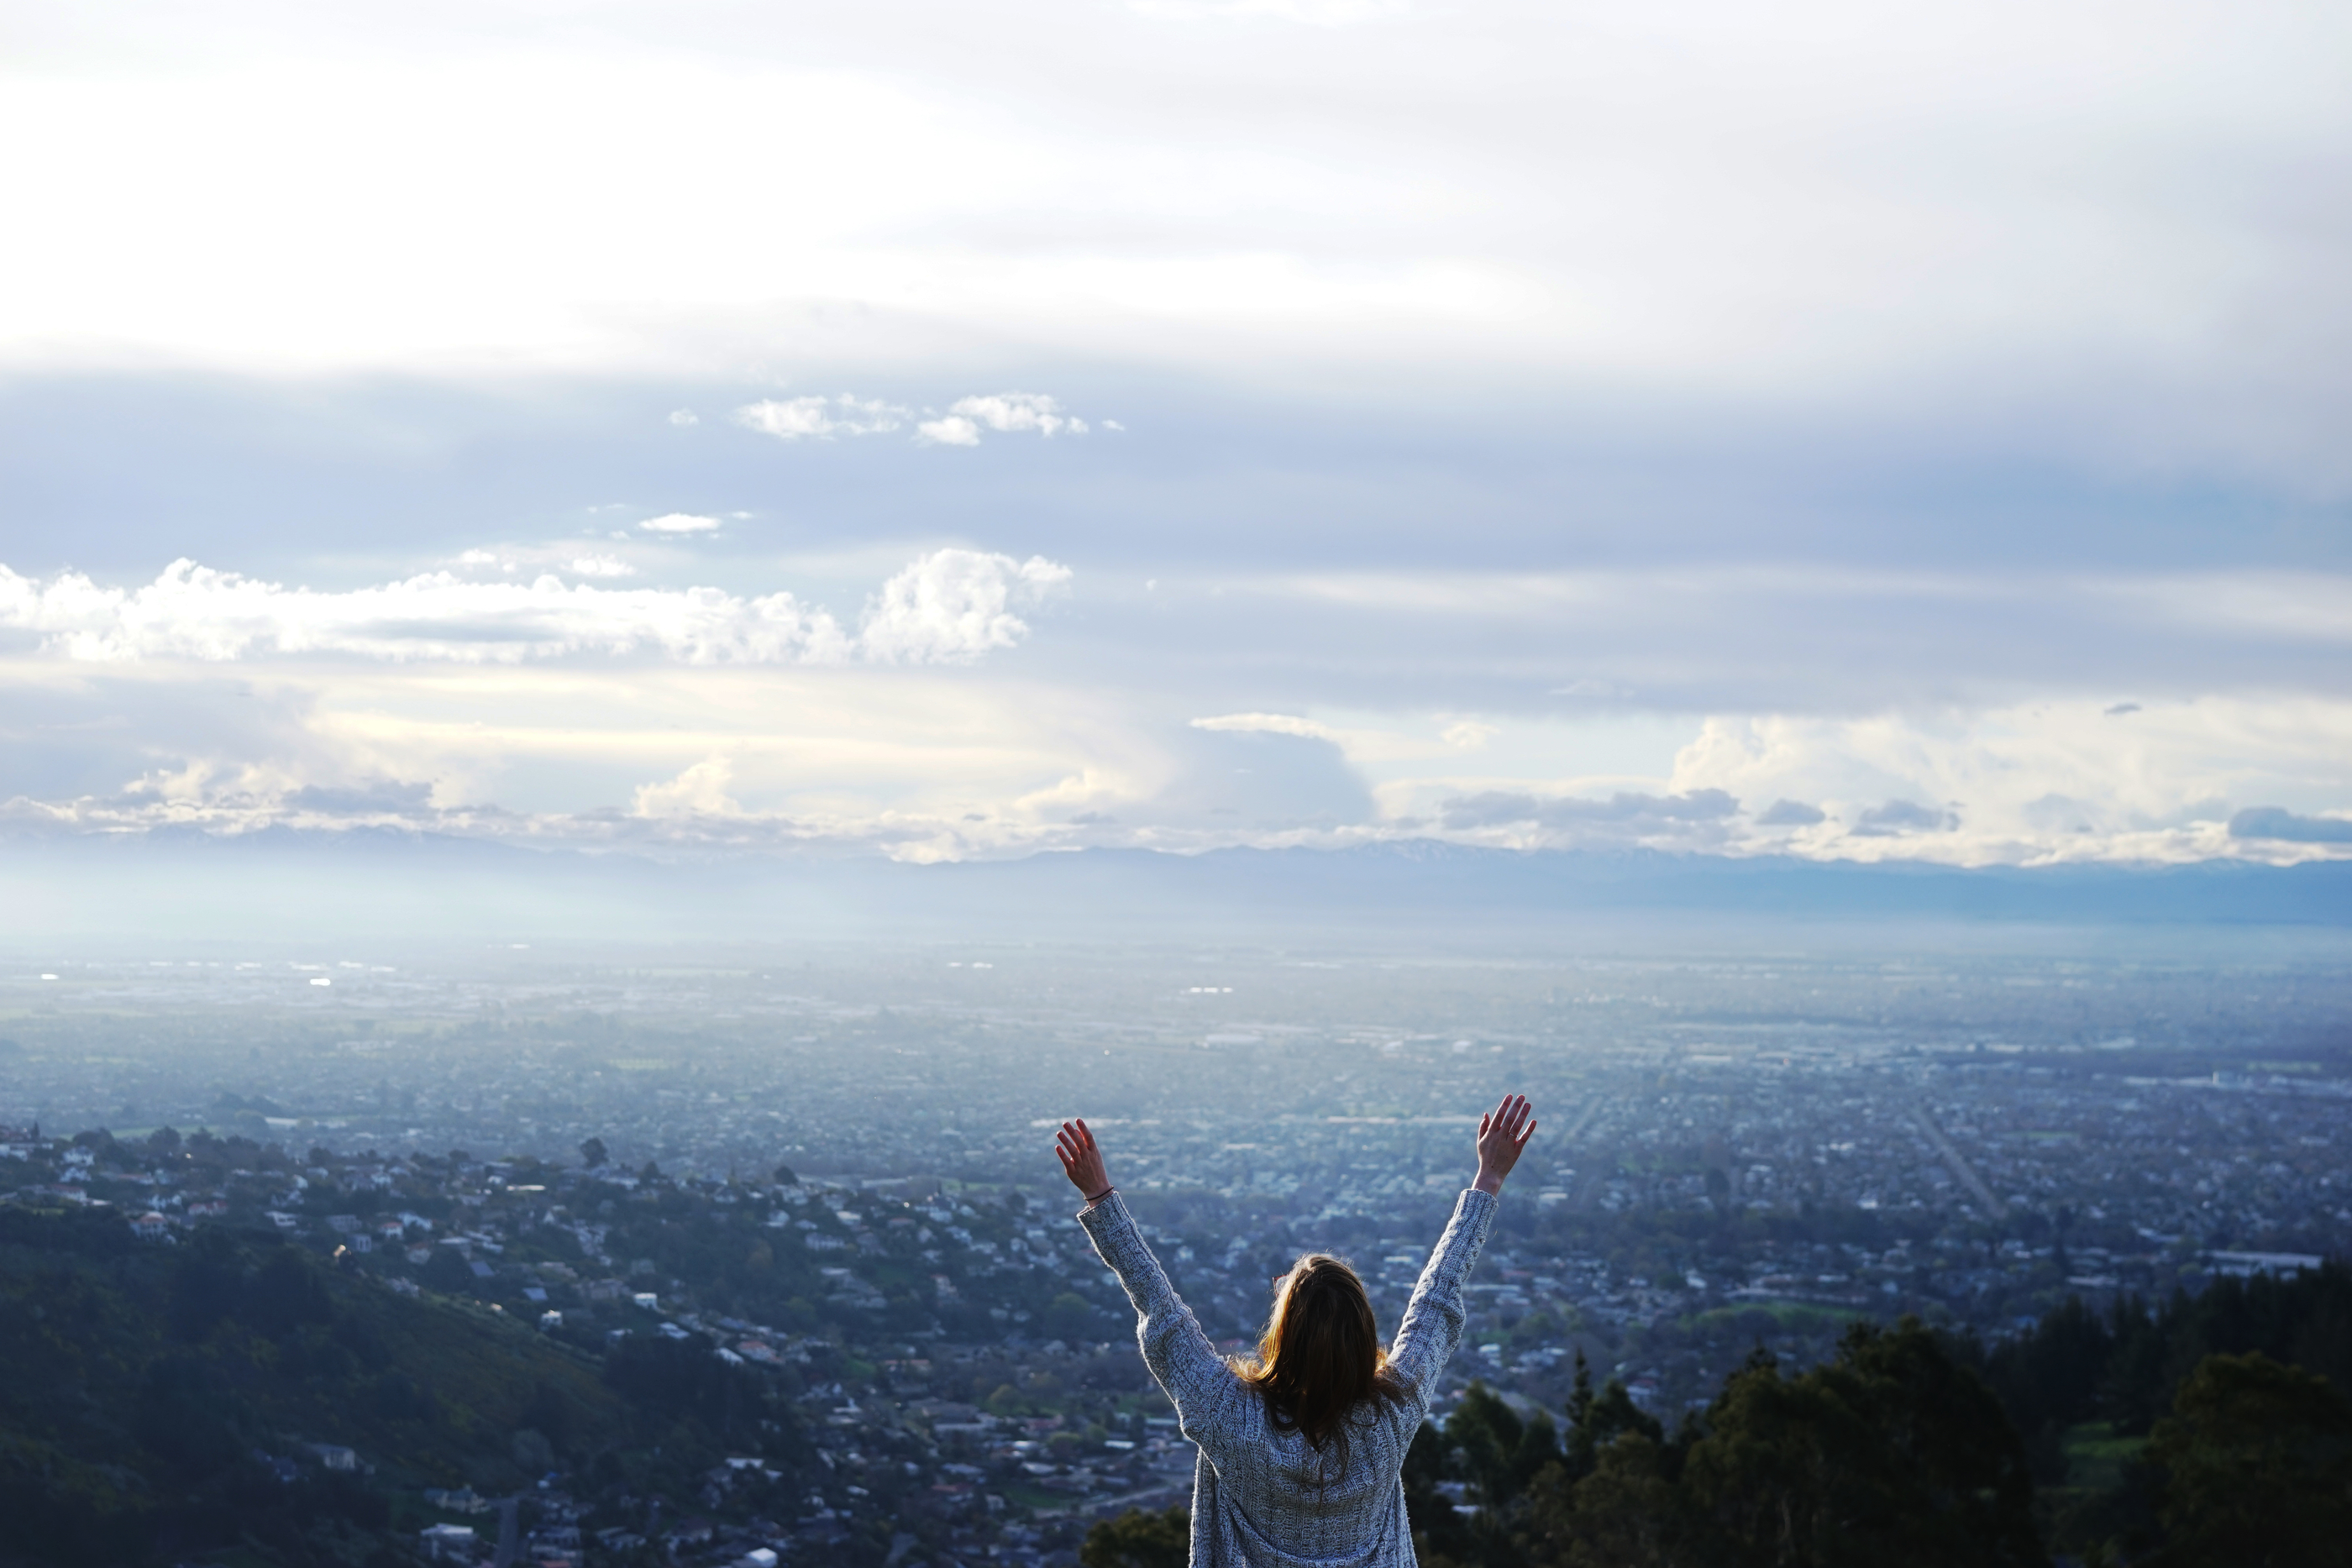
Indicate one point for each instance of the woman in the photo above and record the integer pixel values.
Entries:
(1301, 1448)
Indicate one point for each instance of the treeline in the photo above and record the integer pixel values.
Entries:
(1909, 1445)
(2123, 1366)
(2245, 1380)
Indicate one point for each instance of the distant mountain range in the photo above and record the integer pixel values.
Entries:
(282, 884)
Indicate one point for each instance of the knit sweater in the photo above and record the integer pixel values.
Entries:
(1255, 1503)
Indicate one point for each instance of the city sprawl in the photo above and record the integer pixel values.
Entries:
(830, 1173)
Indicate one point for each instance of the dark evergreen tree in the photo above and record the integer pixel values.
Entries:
(2258, 1468)
(1622, 1513)
(1893, 1452)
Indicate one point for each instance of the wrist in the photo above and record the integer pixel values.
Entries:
(1097, 1197)
(1489, 1184)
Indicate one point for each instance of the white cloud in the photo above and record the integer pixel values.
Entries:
(680, 523)
(2039, 781)
(948, 606)
(683, 416)
(821, 418)
(952, 431)
(1268, 723)
(1981, 194)
(1005, 412)
(1469, 734)
(603, 566)
(698, 792)
(937, 764)
(953, 605)
(1699, 820)
(900, 759)
(1361, 744)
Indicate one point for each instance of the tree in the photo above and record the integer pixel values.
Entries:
(1439, 1534)
(448, 1271)
(592, 1152)
(1483, 1445)
(1501, 1453)
(1893, 1452)
(2050, 1379)
(784, 1177)
(1595, 1421)
(1623, 1514)
(674, 1382)
(2259, 1467)
(1138, 1540)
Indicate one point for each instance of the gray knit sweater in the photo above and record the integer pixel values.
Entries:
(1254, 1502)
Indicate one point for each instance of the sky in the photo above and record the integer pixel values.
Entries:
(1860, 432)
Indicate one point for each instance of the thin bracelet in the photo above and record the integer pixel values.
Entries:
(1100, 1196)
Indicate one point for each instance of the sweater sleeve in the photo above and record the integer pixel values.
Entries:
(1183, 1361)
(1431, 1328)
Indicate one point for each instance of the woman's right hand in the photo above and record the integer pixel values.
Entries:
(1082, 1160)
(1503, 1132)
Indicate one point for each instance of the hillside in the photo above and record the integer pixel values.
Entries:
(161, 1401)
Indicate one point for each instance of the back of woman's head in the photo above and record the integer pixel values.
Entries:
(1320, 1359)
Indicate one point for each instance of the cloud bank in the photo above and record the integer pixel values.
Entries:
(948, 606)
(915, 758)
(1632, 814)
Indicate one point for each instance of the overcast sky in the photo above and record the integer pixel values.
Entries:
(1862, 431)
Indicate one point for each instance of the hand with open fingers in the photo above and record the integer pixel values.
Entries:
(1503, 1132)
(1082, 1160)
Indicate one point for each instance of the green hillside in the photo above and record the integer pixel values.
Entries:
(160, 1402)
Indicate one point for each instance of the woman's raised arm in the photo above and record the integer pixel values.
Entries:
(1434, 1318)
(1181, 1357)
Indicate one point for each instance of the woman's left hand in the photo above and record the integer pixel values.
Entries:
(1082, 1160)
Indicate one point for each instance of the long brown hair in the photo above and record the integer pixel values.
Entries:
(1320, 1359)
